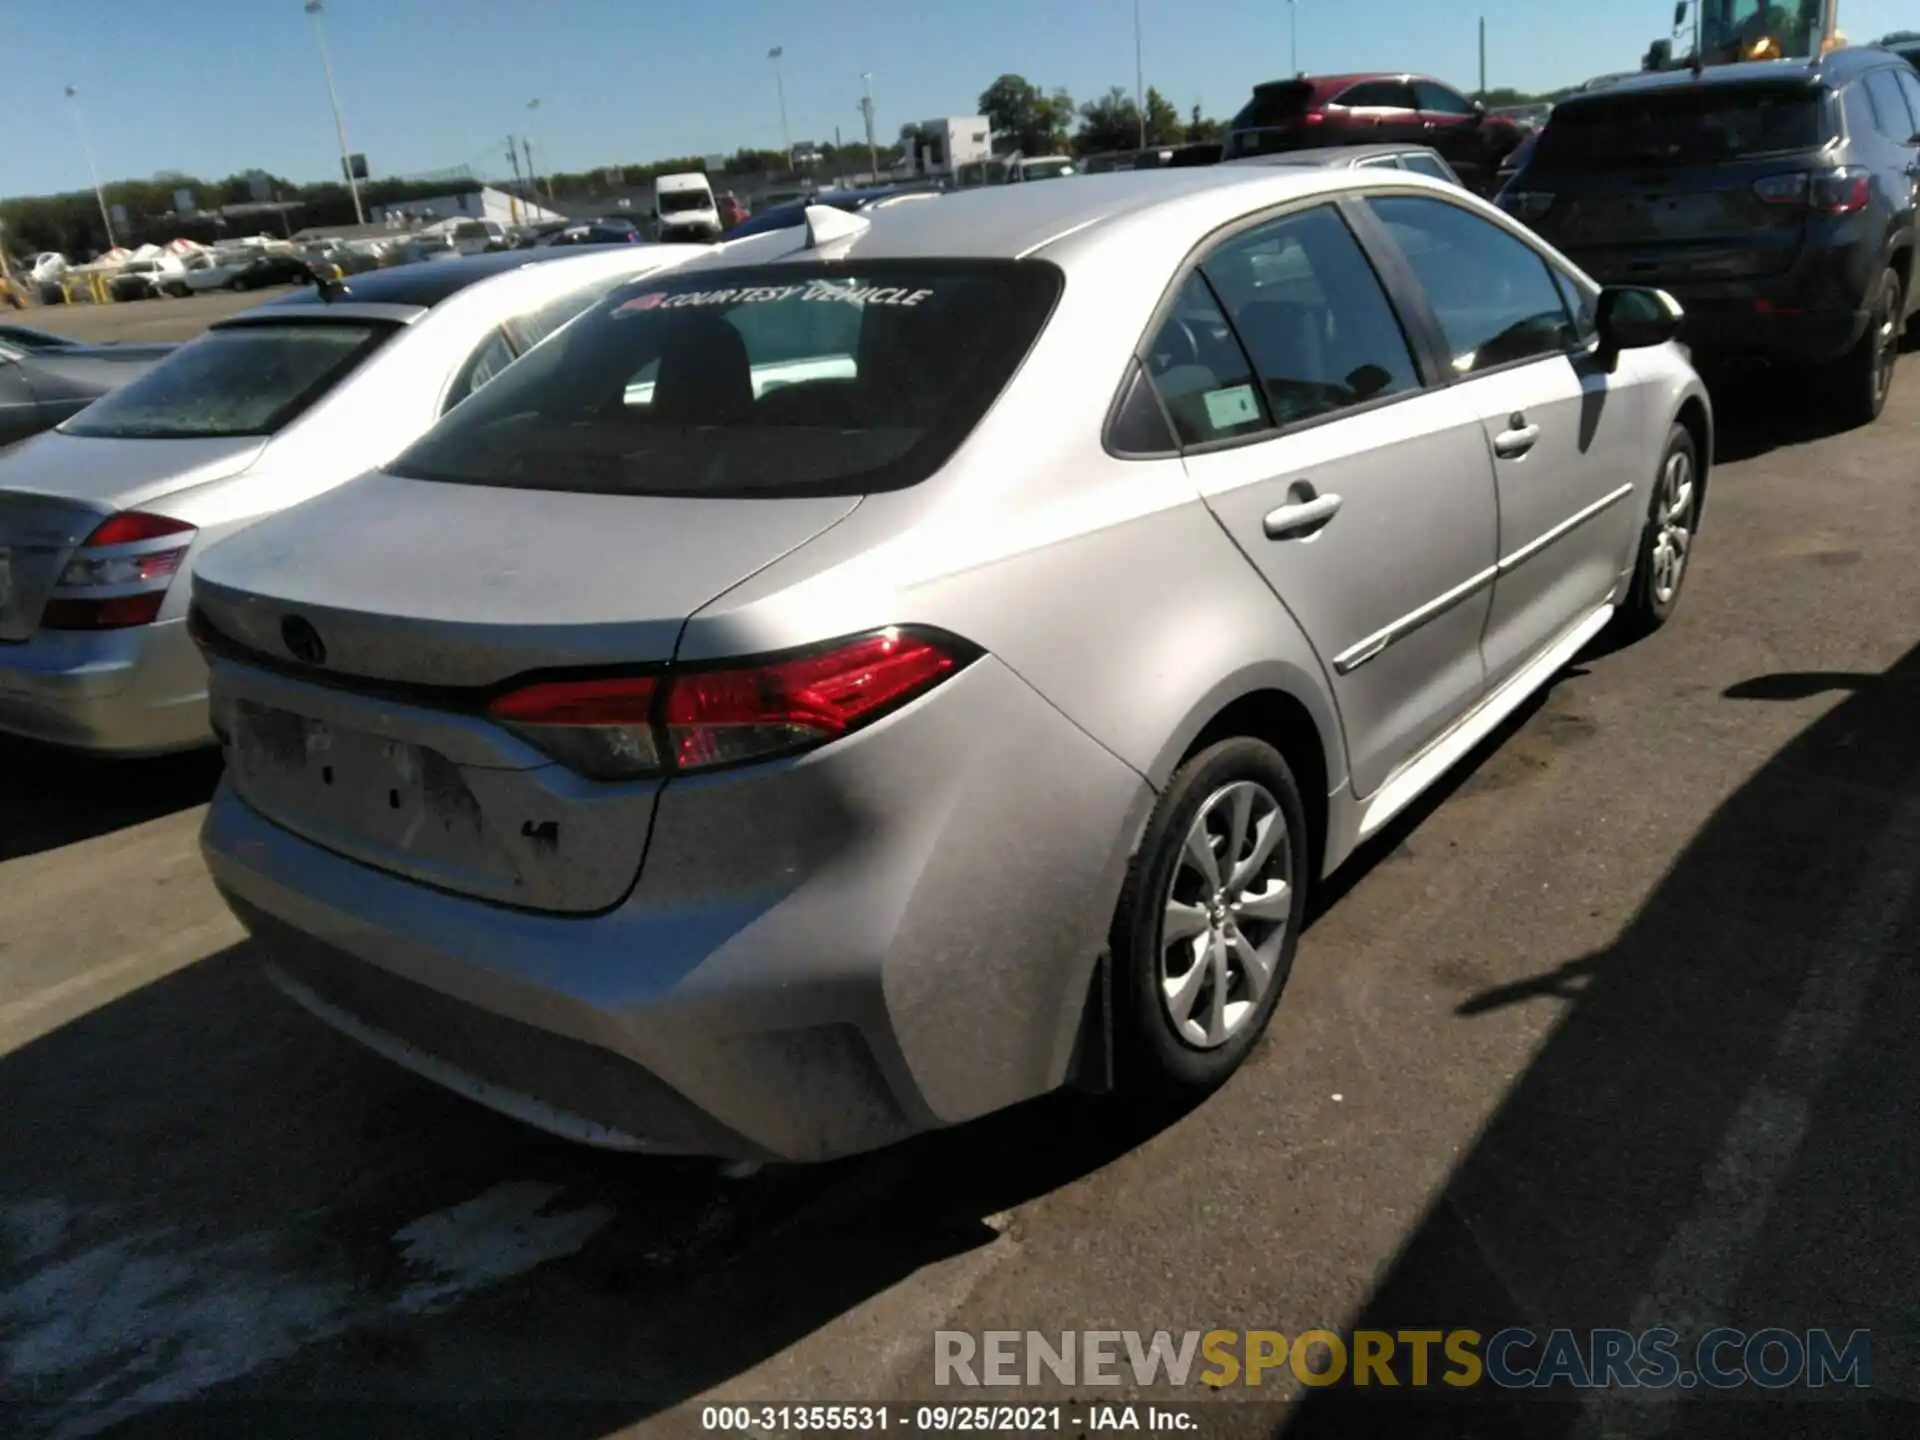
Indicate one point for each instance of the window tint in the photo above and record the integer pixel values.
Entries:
(1579, 305)
(1493, 296)
(730, 384)
(243, 380)
(1200, 371)
(1428, 165)
(1643, 129)
(1139, 425)
(1274, 105)
(1378, 95)
(1909, 84)
(1313, 316)
(1896, 120)
(1862, 118)
(1440, 98)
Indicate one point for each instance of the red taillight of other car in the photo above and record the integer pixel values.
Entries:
(626, 727)
(119, 576)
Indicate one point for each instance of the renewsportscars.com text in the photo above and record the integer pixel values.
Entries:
(1514, 1359)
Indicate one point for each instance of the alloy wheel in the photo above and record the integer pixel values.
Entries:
(1886, 339)
(1226, 913)
(1673, 526)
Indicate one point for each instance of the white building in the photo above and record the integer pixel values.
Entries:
(485, 203)
(944, 146)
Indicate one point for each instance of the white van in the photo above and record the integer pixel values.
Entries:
(684, 208)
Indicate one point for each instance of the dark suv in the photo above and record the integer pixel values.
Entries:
(1774, 200)
(1319, 110)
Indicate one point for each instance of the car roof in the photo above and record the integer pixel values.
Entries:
(1015, 221)
(1324, 84)
(1332, 154)
(425, 284)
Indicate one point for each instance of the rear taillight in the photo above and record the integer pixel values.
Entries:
(625, 727)
(119, 576)
(1826, 192)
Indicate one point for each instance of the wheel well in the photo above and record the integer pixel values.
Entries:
(1901, 263)
(1284, 723)
(1693, 415)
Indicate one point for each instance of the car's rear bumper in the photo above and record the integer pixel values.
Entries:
(819, 957)
(138, 691)
(1723, 330)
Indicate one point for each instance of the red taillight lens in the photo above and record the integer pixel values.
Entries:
(119, 576)
(626, 727)
(1841, 193)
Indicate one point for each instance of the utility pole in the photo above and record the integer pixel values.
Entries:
(780, 90)
(93, 173)
(533, 175)
(1483, 57)
(314, 8)
(866, 110)
(1139, 77)
(513, 159)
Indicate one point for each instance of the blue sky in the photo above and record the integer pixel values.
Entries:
(216, 86)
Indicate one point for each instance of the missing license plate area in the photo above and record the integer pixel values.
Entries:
(347, 782)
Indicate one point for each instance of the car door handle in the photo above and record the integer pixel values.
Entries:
(1301, 518)
(1512, 444)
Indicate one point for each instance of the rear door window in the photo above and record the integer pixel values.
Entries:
(835, 379)
(1203, 377)
(1312, 315)
(1896, 120)
(237, 380)
(1694, 126)
(1494, 297)
(1378, 95)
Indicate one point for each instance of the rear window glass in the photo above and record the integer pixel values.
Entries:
(836, 379)
(1273, 105)
(245, 380)
(1686, 127)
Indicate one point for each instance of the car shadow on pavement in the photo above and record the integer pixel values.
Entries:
(50, 798)
(1718, 1131)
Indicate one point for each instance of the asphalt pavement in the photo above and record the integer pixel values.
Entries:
(1615, 1030)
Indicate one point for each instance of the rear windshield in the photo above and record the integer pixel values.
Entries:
(835, 379)
(246, 380)
(1684, 127)
(1273, 105)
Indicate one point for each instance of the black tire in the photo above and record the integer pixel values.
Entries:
(1860, 381)
(1152, 1059)
(1654, 593)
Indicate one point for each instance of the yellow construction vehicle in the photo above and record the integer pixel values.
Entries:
(1728, 32)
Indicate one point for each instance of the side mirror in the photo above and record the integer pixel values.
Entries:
(1680, 14)
(1634, 317)
(1480, 107)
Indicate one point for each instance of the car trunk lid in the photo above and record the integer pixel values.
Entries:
(1683, 186)
(353, 693)
(56, 488)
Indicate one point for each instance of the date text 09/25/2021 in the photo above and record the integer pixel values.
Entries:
(946, 1419)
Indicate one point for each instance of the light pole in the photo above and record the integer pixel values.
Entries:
(80, 122)
(1293, 37)
(1139, 77)
(533, 116)
(780, 89)
(314, 8)
(866, 109)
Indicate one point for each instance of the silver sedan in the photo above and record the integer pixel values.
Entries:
(103, 519)
(899, 665)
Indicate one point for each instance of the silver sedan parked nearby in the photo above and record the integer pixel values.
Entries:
(891, 668)
(102, 519)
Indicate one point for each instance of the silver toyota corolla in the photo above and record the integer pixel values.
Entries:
(889, 669)
(102, 520)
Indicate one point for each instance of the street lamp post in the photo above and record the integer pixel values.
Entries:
(93, 173)
(1139, 77)
(526, 144)
(780, 89)
(314, 8)
(866, 109)
(1293, 37)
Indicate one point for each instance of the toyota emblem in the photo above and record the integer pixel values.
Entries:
(303, 642)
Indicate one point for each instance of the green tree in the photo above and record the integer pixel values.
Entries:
(1110, 123)
(1201, 128)
(1163, 121)
(1024, 118)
